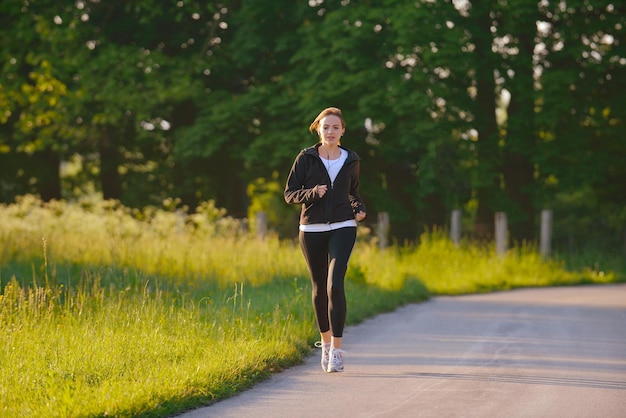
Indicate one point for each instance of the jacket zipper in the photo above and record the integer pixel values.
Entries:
(326, 207)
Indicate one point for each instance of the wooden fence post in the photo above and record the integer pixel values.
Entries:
(261, 224)
(455, 227)
(180, 220)
(501, 227)
(382, 229)
(546, 233)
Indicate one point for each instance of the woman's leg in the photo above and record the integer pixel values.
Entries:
(314, 247)
(340, 248)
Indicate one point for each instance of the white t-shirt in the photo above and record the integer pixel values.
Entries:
(333, 166)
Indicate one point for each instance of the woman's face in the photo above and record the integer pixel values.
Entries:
(330, 130)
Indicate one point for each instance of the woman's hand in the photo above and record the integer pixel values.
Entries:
(321, 190)
(360, 215)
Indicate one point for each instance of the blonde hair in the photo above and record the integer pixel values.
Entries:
(328, 111)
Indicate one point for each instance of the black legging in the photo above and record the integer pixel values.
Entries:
(327, 255)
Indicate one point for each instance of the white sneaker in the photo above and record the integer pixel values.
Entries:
(335, 363)
(325, 353)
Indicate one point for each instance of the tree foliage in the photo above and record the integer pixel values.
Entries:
(506, 106)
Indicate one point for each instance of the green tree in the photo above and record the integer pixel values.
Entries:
(197, 101)
(581, 117)
(515, 40)
(135, 75)
(238, 128)
(33, 101)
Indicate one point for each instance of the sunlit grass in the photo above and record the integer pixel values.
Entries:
(202, 247)
(108, 311)
(101, 350)
(445, 268)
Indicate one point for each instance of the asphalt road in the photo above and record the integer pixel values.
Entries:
(554, 352)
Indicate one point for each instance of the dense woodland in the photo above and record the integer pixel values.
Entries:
(487, 106)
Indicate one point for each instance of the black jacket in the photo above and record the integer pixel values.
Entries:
(341, 201)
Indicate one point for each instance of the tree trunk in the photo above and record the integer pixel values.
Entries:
(403, 214)
(48, 164)
(518, 169)
(518, 175)
(434, 214)
(486, 124)
(110, 161)
(226, 184)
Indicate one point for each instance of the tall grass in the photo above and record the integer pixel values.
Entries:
(99, 349)
(109, 311)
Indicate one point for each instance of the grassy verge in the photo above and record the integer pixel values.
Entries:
(108, 312)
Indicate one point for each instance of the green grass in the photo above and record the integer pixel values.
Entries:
(106, 311)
